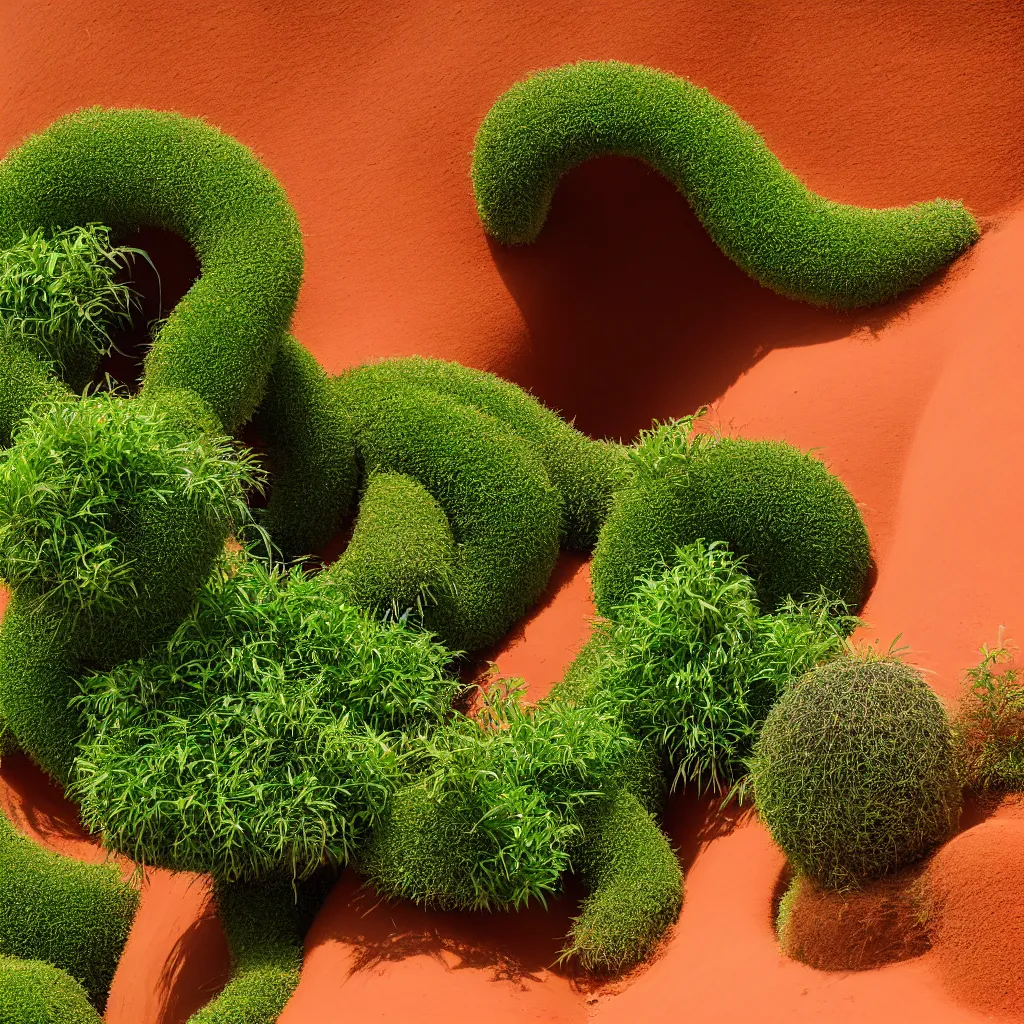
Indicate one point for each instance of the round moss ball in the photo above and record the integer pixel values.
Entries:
(854, 773)
(795, 523)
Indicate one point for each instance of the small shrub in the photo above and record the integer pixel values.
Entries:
(35, 992)
(264, 736)
(493, 817)
(989, 724)
(855, 772)
(795, 524)
(59, 292)
(635, 883)
(114, 509)
(759, 214)
(696, 667)
(75, 916)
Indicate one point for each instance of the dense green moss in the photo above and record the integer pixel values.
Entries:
(759, 214)
(265, 925)
(75, 916)
(855, 773)
(127, 168)
(25, 382)
(583, 471)
(797, 527)
(635, 883)
(491, 485)
(310, 447)
(35, 992)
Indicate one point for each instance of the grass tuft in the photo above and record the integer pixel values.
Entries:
(758, 213)
(35, 992)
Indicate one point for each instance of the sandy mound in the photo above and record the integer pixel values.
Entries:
(979, 916)
(855, 930)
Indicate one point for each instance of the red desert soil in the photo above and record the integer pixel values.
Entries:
(622, 312)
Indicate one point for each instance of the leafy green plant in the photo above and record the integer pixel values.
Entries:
(855, 772)
(59, 291)
(759, 214)
(75, 916)
(492, 818)
(265, 735)
(989, 723)
(696, 667)
(796, 525)
(35, 992)
(107, 502)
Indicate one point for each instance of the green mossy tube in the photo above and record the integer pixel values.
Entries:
(135, 167)
(265, 930)
(758, 213)
(35, 992)
(635, 882)
(72, 915)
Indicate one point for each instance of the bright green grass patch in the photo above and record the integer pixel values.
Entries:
(128, 168)
(855, 772)
(759, 214)
(35, 992)
(493, 817)
(112, 512)
(59, 292)
(796, 525)
(75, 916)
(696, 666)
(265, 735)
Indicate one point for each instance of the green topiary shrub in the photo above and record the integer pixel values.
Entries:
(797, 527)
(75, 916)
(59, 292)
(128, 168)
(635, 883)
(491, 485)
(34, 992)
(264, 736)
(696, 667)
(855, 772)
(492, 816)
(759, 214)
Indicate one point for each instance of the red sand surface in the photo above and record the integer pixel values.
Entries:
(623, 311)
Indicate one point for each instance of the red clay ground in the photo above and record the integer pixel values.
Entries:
(622, 312)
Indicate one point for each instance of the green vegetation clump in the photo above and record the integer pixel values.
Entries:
(797, 527)
(25, 382)
(72, 915)
(989, 724)
(265, 928)
(855, 772)
(491, 485)
(635, 883)
(696, 666)
(130, 168)
(758, 213)
(35, 992)
(60, 294)
(112, 512)
(492, 817)
(264, 736)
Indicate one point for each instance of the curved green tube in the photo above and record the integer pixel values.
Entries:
(759, 214)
